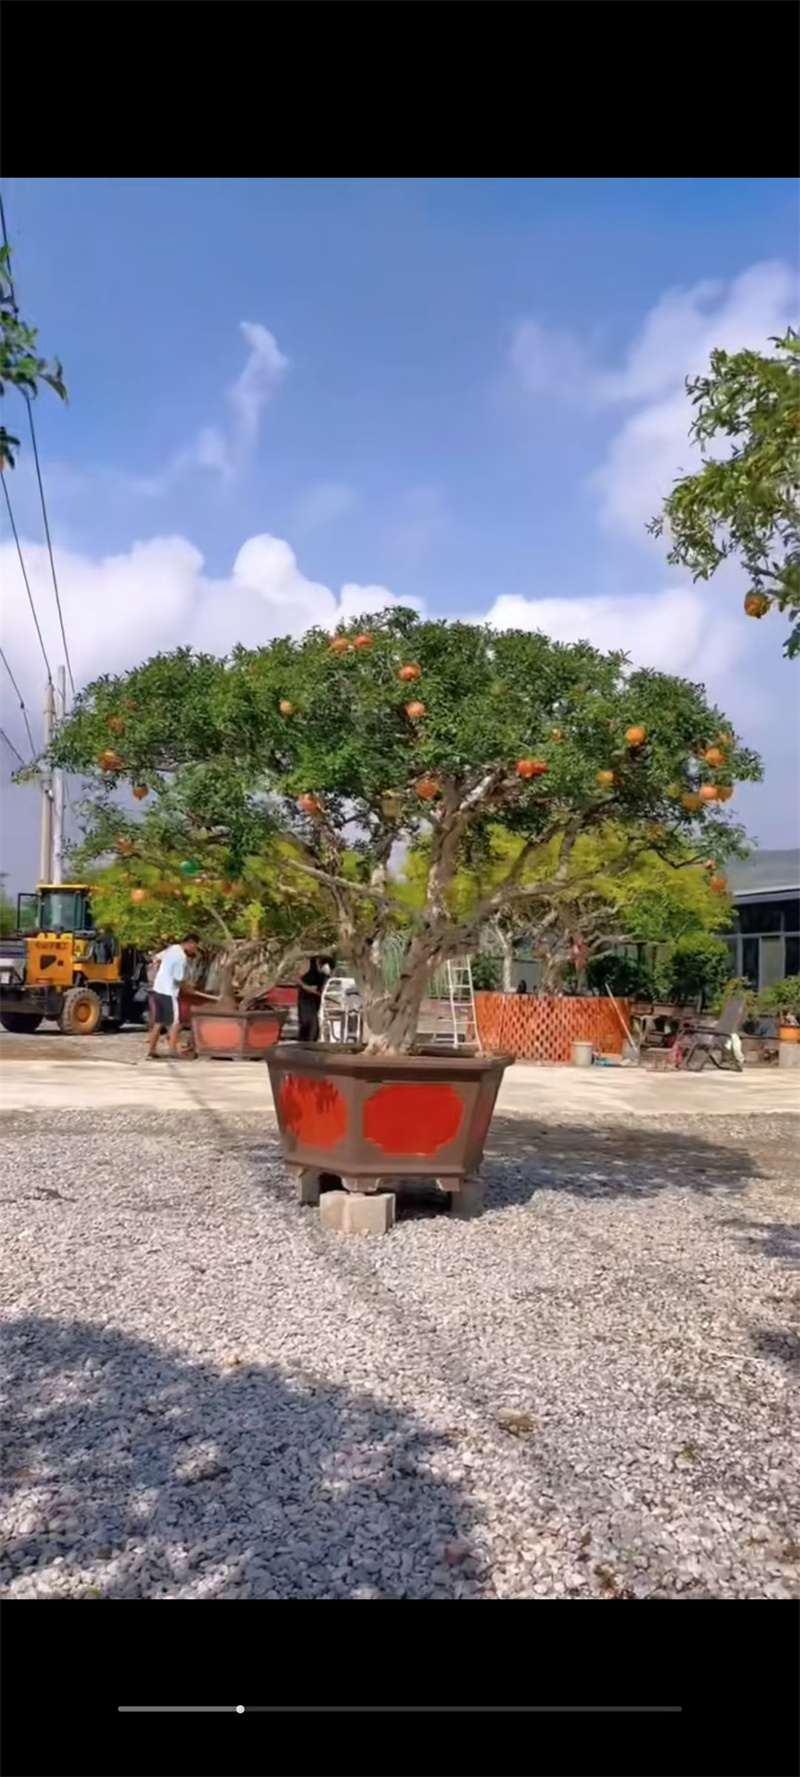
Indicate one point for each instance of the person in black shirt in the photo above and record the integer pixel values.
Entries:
(309, 998)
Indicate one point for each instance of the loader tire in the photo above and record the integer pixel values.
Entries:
(20, 1024)
(80, 1013)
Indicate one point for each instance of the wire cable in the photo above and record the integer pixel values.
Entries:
(49, 542)
(29, 404)
(22, 703)
(26, 580)
(11, 746)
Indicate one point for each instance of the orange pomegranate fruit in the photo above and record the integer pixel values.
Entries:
(109, 760)
(636, 736)
(713, 756)
(718, 884)
(605, 779)
(756, 604)
(363, 641)
(140, 791)
(724, 792)
(309, 804)
(339, 645)
(427, 788)
(556, 734)
(116, 724)
(415, 710)
(138, 895)
(530, 768)
(407, 673)
(286, 708)
(690, 800)
(708, 793)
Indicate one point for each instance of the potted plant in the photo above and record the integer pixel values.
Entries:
(782, 1002)
(400, 732)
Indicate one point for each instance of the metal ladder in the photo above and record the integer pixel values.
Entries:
(451, 1007)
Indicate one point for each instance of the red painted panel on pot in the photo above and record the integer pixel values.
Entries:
(261, 1033)
(218, 1033)
(413, 1119)
(313, 1109)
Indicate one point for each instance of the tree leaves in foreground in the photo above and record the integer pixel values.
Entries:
(319, 755)
(21, 366)
(746, 502)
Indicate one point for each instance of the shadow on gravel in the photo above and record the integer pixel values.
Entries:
(776, 1240)
(241, 1479)
(604, 1160)
(523, 1158)
(783, 1344)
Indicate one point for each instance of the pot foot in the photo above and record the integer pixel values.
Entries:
(468, 1199)
(344, 1213)
(308, 1188)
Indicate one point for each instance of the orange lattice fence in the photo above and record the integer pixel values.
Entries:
(544, 1030)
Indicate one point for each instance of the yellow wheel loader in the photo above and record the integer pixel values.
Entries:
(58, 966)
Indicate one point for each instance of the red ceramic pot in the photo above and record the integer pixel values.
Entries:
(370, 1120)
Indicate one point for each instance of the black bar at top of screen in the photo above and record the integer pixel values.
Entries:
(400, 1709)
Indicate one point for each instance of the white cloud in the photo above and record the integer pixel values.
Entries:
(544, 362)
(323, 504)
(120, 609)
(679, 630)
(652, 448)
(223, 450)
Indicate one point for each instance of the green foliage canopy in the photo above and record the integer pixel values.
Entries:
(322, 745)
(745, 503)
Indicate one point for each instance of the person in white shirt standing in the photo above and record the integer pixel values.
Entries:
(170, 973)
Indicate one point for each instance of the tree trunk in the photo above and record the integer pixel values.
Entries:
(507, 947)
(391, 1017)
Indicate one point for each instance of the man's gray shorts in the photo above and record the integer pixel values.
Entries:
(163, 1010)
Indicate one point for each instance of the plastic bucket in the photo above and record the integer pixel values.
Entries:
(582, 1054)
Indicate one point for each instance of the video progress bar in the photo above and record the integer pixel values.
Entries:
(399, 1709)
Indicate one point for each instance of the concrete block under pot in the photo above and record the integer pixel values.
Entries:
(368, 1122)
(237, 1036)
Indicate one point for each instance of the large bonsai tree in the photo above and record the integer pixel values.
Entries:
(335, 749)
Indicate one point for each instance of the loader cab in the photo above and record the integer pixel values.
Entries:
(60, 909)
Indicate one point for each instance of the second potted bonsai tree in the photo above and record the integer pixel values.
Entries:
(338, 751)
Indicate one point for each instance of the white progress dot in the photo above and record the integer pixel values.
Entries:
(240, 1709)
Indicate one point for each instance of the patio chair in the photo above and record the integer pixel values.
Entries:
(718, 1042)
(340, 1011)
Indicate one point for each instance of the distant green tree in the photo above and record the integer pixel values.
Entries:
(21, 366)
(746, 503)
(8, 911)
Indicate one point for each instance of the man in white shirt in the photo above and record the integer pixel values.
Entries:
(164, 994)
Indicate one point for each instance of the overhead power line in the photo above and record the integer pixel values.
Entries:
(22, 703)
(25, 578)
(46, 521)
(49, 543)
(11, 746)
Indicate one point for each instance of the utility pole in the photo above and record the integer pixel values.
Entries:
(59, 785)
(46, 846)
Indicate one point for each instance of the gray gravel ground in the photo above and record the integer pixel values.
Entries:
(591, 1389)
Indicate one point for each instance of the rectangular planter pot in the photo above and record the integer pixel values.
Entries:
(237, 1036)
(371, 1119)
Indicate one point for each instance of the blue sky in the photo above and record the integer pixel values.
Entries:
(462, 392)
